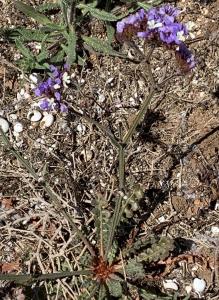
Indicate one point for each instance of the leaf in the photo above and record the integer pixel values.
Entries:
(59, 57)
(101, 46)
(43, 55)
(32, 13)
(48, 6)
(97, 13)
(24, 50)
(70, 49)
(148, 6)
(31, 35)
(134, 269)
(115, 288)
(110, 33)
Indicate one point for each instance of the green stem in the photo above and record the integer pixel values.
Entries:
(121, 168)
(138, 117)
(24, 278)
(55, 198)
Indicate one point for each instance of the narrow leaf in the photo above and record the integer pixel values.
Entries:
(146, 6)
(48, 6)
(101, 46)
(97, 13)
(24, 50)
(32, 13)
(70, 49)
(31, 35)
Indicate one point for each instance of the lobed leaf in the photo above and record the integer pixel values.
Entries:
(31, 12)
(101, 46)
(24, 50)
(48, 6)
(98, 13)
(115, 288)
(70, 49)
(147, 6)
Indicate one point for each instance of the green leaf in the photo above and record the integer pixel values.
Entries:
(134, 269)
(32, 13)
(115, 288)
(148, 6)
(23, 50)
(97, 13)
(31, 35)
(43, 55)
(110, 33)
(70, 49)
(59, 57)
(53, 27)
(48, 6)
(101, 46)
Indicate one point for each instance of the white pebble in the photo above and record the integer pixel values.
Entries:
(12, 117)
(33, 78)
(101, 98)
(34, 116)
(170, 284)
(199, 285)
(109, 80)
(81, 128)
(215, 230)
(4, 125)
(47, 121)
(18, 127)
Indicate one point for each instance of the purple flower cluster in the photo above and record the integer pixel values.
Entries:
(51, 90)
(158, 24)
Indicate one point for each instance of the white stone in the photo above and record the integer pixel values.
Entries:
(18, 127)
(215, 230)
(109, 80)
(101, 98)
(199, 285)
(4, 125)
(81, 128)
(34, 116)
(47, 121)
(12, 117)
(170, 284)
(33, 78)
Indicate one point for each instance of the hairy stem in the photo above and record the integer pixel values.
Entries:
(30, 278)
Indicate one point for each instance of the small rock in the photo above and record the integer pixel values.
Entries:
(47, 121)
(199, 285)
(101, 98)
(18, 127)
(81, 128)
(170, 284)
(215, 230)
(34, 116)
(4, 125)
(12, 117)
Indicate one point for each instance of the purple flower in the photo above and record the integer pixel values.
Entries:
(133, 20)
(54, 70)
(52, 89)
(168, 10)
(63, 108)
(44, 104)
(173, 33)
(57, 96)
(185, 56)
